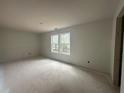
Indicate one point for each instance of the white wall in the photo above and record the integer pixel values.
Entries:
(18, 45)
(89, 41)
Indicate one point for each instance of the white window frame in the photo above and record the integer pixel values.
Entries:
(59, 43)
(61, 52)
(52, 43)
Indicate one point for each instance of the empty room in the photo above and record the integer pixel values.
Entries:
(61, 46)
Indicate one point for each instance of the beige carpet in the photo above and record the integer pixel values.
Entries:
(49, 76)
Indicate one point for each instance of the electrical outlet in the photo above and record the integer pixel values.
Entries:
(88, 62)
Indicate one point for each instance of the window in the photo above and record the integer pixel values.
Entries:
(54, 44)
(65, 43)
(61, 43)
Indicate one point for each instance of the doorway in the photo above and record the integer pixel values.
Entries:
(118, 50)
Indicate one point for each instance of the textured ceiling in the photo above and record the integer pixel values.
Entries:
(28, 14)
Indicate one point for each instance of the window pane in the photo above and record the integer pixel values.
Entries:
(54, 43)
(65, 43)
